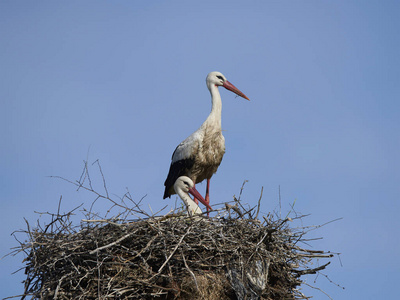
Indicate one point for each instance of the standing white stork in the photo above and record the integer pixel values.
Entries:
(183, 186)
(200, 155)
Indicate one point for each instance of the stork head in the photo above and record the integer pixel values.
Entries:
(186, 185)
(218, 79)
(183, 183)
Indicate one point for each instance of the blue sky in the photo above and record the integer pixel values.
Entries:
(124, 82)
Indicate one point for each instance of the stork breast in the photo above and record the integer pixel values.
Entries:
(213, 148)
(210, 155)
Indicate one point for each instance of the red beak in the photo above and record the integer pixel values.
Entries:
(196, 194)
(232, 88)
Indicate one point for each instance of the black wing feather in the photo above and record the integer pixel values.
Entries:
(176, 170)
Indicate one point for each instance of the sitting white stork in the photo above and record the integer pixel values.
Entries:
(200, 155)
(183, 187)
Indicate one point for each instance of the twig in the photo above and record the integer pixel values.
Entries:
(316, 288)
(112, 244)
(311, 271)
(190, 271)
(102, 176)
(172, 253)
(259, 202)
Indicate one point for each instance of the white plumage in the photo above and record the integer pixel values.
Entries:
(183, 186)
(199, 155)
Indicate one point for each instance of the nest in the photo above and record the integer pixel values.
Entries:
(232, 255)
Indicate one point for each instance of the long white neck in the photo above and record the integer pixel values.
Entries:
(192, 207)
(216, 106)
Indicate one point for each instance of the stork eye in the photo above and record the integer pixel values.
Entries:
(220, 77)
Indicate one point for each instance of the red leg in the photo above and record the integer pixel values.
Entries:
(208, 196)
